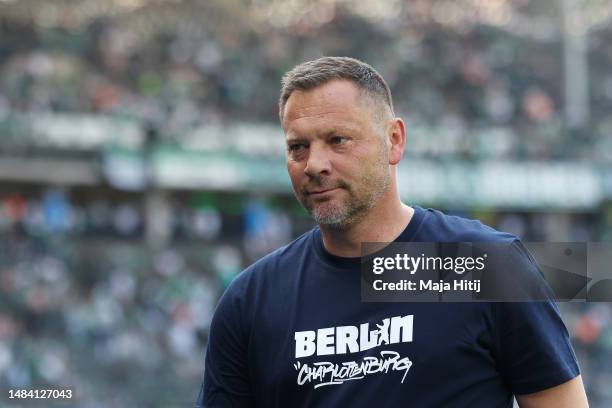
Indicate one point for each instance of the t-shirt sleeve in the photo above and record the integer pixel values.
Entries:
(533, 347)
(226, 372)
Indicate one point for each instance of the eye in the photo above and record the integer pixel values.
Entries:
(296, 147)
(338, 140)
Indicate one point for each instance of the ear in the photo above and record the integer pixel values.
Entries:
(396, 135)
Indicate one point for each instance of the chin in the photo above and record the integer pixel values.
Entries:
(332, 217)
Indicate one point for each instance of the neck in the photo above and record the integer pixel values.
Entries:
(383, 223)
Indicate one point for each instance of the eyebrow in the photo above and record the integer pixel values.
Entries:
(335, 130)
(293, 138)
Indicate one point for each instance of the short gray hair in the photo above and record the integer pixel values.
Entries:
(311, 74)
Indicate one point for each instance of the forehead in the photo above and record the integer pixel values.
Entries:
(337, 100)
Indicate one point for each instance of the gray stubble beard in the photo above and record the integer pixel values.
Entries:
(341, 217)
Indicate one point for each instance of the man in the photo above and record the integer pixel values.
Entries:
(291, 330)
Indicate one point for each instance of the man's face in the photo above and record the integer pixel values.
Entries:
(337, 156)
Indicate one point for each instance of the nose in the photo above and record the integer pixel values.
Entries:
(318, 162)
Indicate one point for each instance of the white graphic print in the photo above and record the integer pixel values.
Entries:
(352, 339)
(329, 373)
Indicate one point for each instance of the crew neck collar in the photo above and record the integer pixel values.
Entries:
(342, 262)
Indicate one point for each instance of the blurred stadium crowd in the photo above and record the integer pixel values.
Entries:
(109, 275)
(499, 92)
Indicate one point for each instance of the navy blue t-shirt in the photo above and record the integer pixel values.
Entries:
(291, 330)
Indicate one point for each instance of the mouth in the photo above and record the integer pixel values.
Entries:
(320, 193)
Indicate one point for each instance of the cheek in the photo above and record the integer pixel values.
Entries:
(295, 172)
(349, 166)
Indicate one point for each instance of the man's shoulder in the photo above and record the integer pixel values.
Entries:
(276, 261)
(443, 227)
(286, 253)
